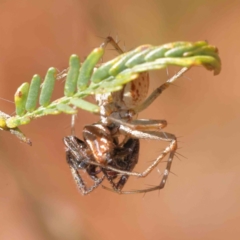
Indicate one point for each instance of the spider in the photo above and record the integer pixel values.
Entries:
(102, 151)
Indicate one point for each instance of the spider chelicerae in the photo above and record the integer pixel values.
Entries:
(103, 153)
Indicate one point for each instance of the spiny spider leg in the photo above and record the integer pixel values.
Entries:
(158, 187)
(157, 92)
(140, 124)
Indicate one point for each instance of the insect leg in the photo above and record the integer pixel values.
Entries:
(78, 180)
(110, 40)
(128, 162)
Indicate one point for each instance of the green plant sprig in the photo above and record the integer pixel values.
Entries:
(86, 79)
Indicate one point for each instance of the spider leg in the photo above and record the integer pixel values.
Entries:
(158, 187)
(171, 150)
(140, 124)
(157, 92)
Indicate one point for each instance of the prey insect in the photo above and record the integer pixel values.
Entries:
(103, 152)
(97, 150)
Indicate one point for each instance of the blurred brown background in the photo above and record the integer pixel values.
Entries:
(38, 198)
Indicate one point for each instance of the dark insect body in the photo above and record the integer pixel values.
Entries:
(97, 151)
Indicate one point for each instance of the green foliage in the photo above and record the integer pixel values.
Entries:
(86, 79)
(16, 131)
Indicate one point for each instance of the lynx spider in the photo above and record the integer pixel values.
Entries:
(101, 150)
